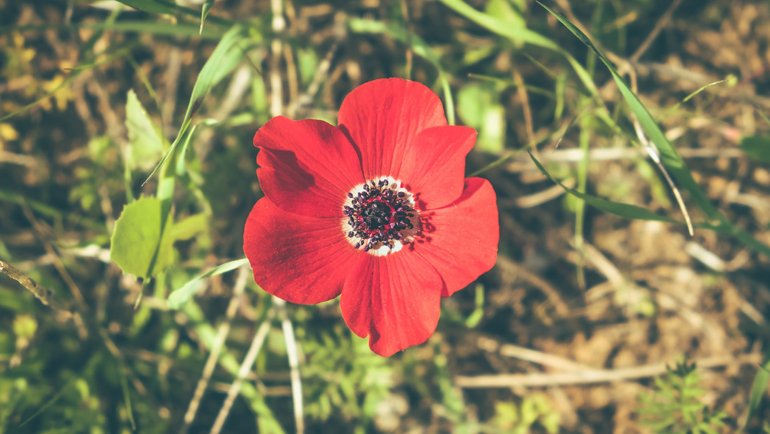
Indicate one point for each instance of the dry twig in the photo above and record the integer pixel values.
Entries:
(593, 376)
(243, 372)
(216, 348)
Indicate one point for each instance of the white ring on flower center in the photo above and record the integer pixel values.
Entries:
(381, 248)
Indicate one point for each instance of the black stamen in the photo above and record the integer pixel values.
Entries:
(378, 214)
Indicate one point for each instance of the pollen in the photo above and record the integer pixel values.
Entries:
(380, 216)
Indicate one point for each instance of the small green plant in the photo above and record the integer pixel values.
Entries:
(534, 411)
(674, 405)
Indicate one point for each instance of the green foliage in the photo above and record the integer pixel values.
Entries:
(130, 369)
(344, 377)
(138, 243)
(757, 148)
(675, 407)
(669, 156)
(618, 208)
(479, 106)
(180, 296)
(758, 390)
(420, 48)
(145, 141)
(534, 411)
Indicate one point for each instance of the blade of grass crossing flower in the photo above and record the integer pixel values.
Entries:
(669, 156)
(418, 46)
(180, 296)
(758, 389)
(618, 208)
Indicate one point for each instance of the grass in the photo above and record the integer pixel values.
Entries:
(125, 132)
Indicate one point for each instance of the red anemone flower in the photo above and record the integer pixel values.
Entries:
(376, 209)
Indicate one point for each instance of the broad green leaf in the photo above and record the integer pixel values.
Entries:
(143, 137)
(618, 208)
(758, 389)
(669, 156)
(757, 148)
(137, 245)
(180, 296)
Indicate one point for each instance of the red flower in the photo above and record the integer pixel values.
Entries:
(376, 209)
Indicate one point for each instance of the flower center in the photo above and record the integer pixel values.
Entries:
(380, 216)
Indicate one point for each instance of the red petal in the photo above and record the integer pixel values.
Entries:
(462, 244)
(393, 299)
(306, 167)
(434, 164)
(300, 259)
(382, 117)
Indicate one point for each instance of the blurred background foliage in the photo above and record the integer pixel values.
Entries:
(126, 173)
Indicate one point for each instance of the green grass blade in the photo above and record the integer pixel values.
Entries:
(522, 35)
(170, 8)
(672, 161)
(152, 6)
(205, 9)
(519, 35)
(618, 208)
(758, 389)
(223, 60)
(180, 296)
(417, 44)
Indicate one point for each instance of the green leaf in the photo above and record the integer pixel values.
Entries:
(137, 245)
(189, 227)
(479, 107)
(223, 60)
(758, 389)
(618, 208)
(180, 296)
(205, 8)
(757, 148)
(151, 6)
(517, 34)
(520, 36)
(143, 137)
(669, 156)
